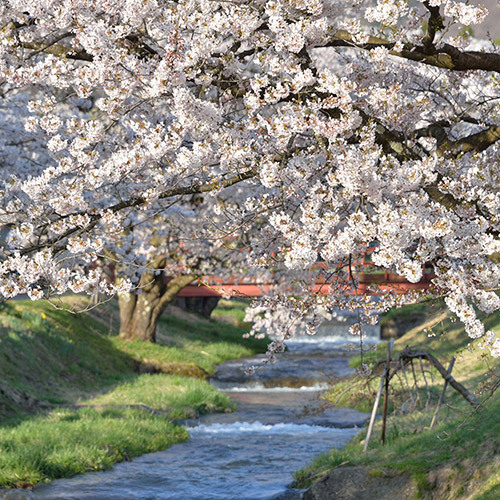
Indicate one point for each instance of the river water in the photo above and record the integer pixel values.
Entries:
(280, 425)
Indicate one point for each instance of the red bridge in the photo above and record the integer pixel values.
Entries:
(369, 279)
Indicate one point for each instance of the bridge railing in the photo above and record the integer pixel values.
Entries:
(369, 278)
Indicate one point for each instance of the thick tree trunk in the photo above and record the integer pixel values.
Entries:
(139, 312)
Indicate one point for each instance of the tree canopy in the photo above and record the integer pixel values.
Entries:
(242, 136)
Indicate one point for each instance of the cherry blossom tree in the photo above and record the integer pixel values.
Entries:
(308, 128)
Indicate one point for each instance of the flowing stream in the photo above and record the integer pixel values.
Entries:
(280, 425)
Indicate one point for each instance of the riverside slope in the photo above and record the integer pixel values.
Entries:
(250, 454)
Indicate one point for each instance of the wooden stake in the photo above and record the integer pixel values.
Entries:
(401, 362)
(415, 383)
(386, 395)
(374, 413)
(426, 385)
(375, 405)
(438, 407)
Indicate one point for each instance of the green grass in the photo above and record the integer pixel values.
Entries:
(423, 309)
(202, 344)
(233, 308)
(51, 357)
(177, 395)
(68, 442)
(411, 447)
(463, 449)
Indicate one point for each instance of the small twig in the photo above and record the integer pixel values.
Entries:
(345, 391)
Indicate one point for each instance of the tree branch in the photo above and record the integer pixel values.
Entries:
(52, 47)
(138, 201)
(434, 24)
(185, 190)
(474, 142)
(446, 56)
(174, 286)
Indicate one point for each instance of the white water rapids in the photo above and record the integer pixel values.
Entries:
(280, 426)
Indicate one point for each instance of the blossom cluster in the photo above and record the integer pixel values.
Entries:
(248, 139)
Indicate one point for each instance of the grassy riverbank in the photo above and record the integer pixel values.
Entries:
(460, 456)
(75, 398)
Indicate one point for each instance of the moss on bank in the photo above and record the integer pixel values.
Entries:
(460, 456)
(53, 364)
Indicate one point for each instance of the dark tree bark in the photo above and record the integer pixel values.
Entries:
(140, 312)
(200, 305)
